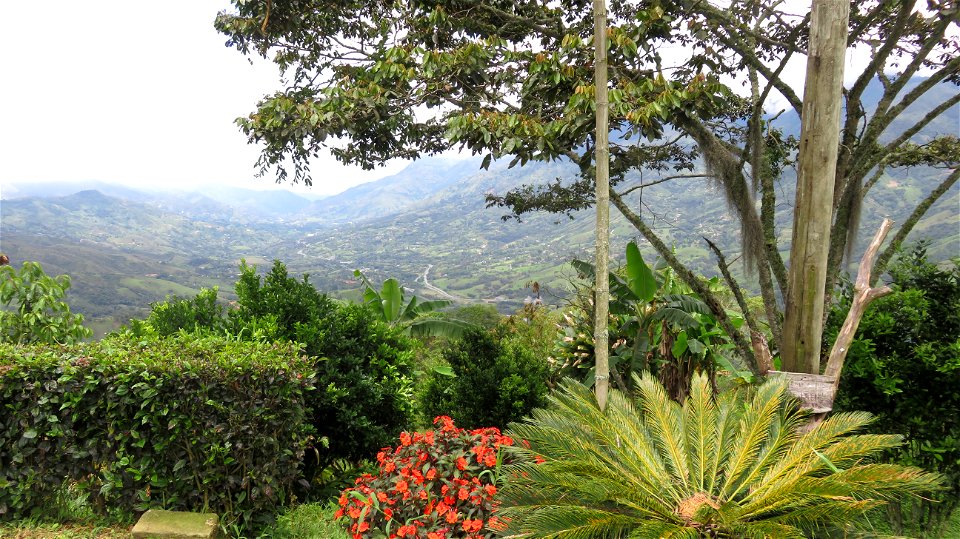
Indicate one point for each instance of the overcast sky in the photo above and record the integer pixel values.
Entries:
(140, 93)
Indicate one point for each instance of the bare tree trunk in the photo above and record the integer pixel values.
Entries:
(819, 144)
(601, 347)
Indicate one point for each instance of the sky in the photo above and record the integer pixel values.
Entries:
(138, 93)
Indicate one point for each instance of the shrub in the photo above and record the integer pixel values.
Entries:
(32, 309)
(492, 380)
(904, 366)
(438, 485)
(363, 366)
(173, 314)
(308, 521)
(181, 423)
(733, 465)
(364, 395)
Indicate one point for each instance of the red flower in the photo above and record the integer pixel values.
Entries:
(427, 484)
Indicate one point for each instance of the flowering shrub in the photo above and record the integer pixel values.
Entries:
(434, 485)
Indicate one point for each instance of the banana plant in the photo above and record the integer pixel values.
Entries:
(390, 304)
(660, 325)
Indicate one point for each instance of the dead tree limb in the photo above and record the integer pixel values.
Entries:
(863, 295)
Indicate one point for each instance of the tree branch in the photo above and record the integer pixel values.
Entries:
(662, 180)
(863, 295)
(911, 221)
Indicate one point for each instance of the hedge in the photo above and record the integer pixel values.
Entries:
(182, 423)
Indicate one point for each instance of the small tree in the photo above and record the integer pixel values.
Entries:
(33, 308)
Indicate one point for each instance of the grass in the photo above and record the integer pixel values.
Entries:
(305, 521)
(71, 517)
(53, 530)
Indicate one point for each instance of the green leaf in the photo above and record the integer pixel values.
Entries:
(640, 277)
(680, 345)
(445, 370)
(391, 297)
(696, 347)
(30, 434)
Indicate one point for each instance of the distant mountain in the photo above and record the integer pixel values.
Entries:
(122, 255)
(947, 123)
(215, 203)
(387, 196)
(427, 225)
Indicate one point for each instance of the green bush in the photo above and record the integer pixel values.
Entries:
(32, 309)
(493, 379)
(904, 366)
(308, 521)
(195, 423)
(173, 314)
(363, 366)
(364, 396)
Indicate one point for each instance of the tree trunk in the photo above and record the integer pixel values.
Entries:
(601, 347)
(819, 144)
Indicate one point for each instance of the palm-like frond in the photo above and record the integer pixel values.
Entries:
(733, 465)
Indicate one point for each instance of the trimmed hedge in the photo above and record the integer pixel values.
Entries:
(183, 423)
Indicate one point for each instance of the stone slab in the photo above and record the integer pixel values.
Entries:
(160, 524)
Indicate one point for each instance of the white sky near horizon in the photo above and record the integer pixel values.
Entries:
(136, 93)
(141, 94)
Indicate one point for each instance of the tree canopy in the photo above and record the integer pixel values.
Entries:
(689, 82)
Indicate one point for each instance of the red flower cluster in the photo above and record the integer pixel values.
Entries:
(435, 485)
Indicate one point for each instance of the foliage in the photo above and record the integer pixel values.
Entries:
(307, 521)
(33, 310)
(388, 302)
(175, 313)
(276, 303)
(482, 315)
(533, 327)
(733, 465)
(436, 484)
(657, 324)
(363, 366)
(515, 80)
(492, 379)
(904, 366)
(194, 423)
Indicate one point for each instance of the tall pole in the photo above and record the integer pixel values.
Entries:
(601, 347)
(819, 144)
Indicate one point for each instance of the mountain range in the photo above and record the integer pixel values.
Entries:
(427, 225)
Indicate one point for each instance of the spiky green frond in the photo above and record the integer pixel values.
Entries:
(731, 465)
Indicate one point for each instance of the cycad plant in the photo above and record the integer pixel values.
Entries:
(732, 465)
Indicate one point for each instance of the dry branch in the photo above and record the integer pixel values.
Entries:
(863, 295)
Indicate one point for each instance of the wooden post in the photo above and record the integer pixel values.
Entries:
(819, 144)
(601, 348)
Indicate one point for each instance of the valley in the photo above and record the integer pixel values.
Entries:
(428, 226)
